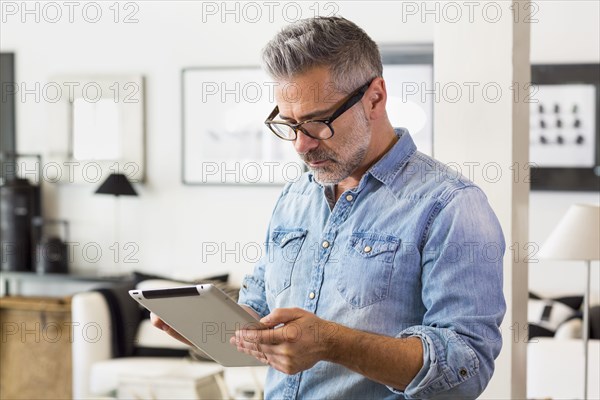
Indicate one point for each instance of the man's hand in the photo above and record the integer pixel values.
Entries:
(300, 342)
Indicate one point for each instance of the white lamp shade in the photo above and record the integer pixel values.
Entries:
(577, 235)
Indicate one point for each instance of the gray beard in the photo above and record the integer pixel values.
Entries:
(337, 172)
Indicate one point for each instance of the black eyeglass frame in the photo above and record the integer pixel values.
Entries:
(353, 98)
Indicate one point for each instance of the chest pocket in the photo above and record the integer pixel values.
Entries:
(285, 247)
(363, 276)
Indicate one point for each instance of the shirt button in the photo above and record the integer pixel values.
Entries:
(311, 295)
(463, 372)
(367, 249)
(325, 244)
(349, 197)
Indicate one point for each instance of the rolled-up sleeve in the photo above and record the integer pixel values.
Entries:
(462, 256)
(252, 292)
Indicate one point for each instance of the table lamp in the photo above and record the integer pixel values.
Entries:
(117, 185)
(577, 237)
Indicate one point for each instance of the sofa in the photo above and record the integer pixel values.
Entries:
(555, 349)
(119, 349)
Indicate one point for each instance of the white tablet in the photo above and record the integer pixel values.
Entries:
(205, 316)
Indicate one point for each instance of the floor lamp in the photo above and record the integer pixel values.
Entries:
(117, 185)
(577, 237)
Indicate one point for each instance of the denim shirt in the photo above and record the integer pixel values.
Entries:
(414, 250)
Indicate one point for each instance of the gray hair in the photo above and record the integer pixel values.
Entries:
(334, 42)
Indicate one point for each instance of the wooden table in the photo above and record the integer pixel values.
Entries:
(35, 347)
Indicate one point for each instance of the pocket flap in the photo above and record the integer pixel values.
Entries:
(371, 244)
(281, 237)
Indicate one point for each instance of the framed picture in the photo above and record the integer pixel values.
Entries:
(225, 140)
(99, 128)
(564, 127)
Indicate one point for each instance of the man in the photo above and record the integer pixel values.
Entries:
(378, 278)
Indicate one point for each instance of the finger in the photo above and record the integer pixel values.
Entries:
(157, 322)
(264, 349)
(263, 357)
(251, 349)
(282, 316)
(247, 335)
(254, 325)
(265, 336)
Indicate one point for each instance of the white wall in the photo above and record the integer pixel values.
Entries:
(169, 221)
(566, 32)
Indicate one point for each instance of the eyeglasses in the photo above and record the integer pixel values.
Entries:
(319, 129)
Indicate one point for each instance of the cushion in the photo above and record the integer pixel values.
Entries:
(570, 329)
(124, 319)
(546, 315)
(574, 302)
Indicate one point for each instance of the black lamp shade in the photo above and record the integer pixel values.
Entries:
(117, 185)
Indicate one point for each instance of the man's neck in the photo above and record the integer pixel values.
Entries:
(387, 140)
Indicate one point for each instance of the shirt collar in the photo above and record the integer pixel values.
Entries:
(386, 169)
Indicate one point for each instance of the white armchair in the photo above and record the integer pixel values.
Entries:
(97, 374)
(89, 310)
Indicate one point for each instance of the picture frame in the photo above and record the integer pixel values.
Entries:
(98, 126)
(224, 138)
(564, 127)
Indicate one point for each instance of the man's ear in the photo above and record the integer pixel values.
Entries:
(376, 98)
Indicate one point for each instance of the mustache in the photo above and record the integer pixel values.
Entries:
(316, 155)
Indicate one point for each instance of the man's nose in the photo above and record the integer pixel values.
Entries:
(303, 143)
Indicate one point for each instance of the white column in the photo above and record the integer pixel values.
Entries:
(485, 133)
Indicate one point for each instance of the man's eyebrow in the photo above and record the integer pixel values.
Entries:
(308, 116)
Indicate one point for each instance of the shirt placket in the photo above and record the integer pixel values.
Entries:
(338, 215)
